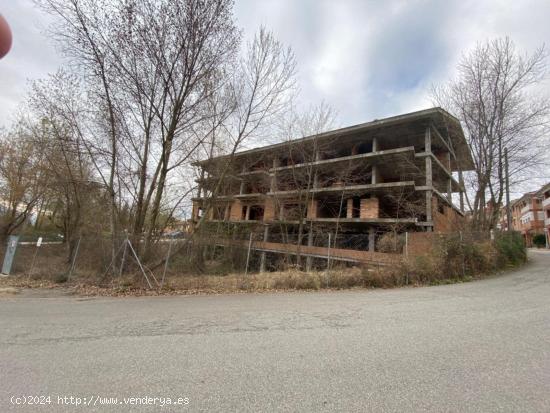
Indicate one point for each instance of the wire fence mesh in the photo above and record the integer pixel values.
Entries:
(220, 250)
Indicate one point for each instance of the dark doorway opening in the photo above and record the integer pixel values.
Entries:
(356, 207)
(256, 213)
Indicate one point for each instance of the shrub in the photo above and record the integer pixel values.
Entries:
(427, 269)
(510, 249)
(539, 240)
(391, 242)
(61, 278)
(298, 280)
(344, 278)
(463, 256)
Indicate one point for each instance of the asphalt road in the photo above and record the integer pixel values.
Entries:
(477, 347)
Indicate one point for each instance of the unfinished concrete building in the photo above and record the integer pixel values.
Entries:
(397, 174)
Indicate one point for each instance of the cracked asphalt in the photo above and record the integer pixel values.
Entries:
(482, 346)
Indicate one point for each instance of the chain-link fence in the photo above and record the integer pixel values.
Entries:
(93, 259)
(243, 249)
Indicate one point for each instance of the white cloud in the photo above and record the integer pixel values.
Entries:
(32, 55)
(367, 59)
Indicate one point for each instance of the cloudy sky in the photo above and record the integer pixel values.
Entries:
(367, 59)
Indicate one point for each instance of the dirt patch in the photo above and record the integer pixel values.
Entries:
(8, 291)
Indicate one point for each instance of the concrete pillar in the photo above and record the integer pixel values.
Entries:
(309, 259)
(429, 184)
(262, 256)
(372, 238)
(273, 182)
(428, 140)
(247, 216)
(429, 207)
(374, 175)
(241, 189)
(428, 147)
(317, 157)
(429, 176)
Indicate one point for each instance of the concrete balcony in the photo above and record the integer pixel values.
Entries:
(546, 203)
(525, 209)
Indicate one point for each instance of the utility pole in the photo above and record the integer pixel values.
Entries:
(508, 211)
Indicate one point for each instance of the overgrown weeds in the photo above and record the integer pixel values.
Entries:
(452, 258)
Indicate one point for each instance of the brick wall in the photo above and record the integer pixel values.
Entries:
(369, 208)
(236, 210)
(449, 221)
(312, 209)
(420, 243)
(269, 212)
(443, 157)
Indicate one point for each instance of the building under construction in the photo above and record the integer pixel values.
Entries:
(392, 175)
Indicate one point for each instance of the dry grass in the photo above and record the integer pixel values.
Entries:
(451, 261)
(290, 280)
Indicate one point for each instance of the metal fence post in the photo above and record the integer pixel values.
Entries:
(166, 264)
(126, 241)
(139, 263)
(74, 259)
(38, 244)
(407, 257)
(328, 257)
(328, 250)
(248, 254)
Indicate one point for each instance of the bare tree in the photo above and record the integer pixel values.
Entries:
(301, 157)
(151, 66)
(80, 32)
(261, 89)
(496, 100)
(21, 179)
(62, 127)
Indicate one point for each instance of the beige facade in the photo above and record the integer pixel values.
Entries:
(544, 193)
(528, 215)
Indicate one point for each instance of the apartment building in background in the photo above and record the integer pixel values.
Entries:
(394, 174)
(545, 196)
(528, 216)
